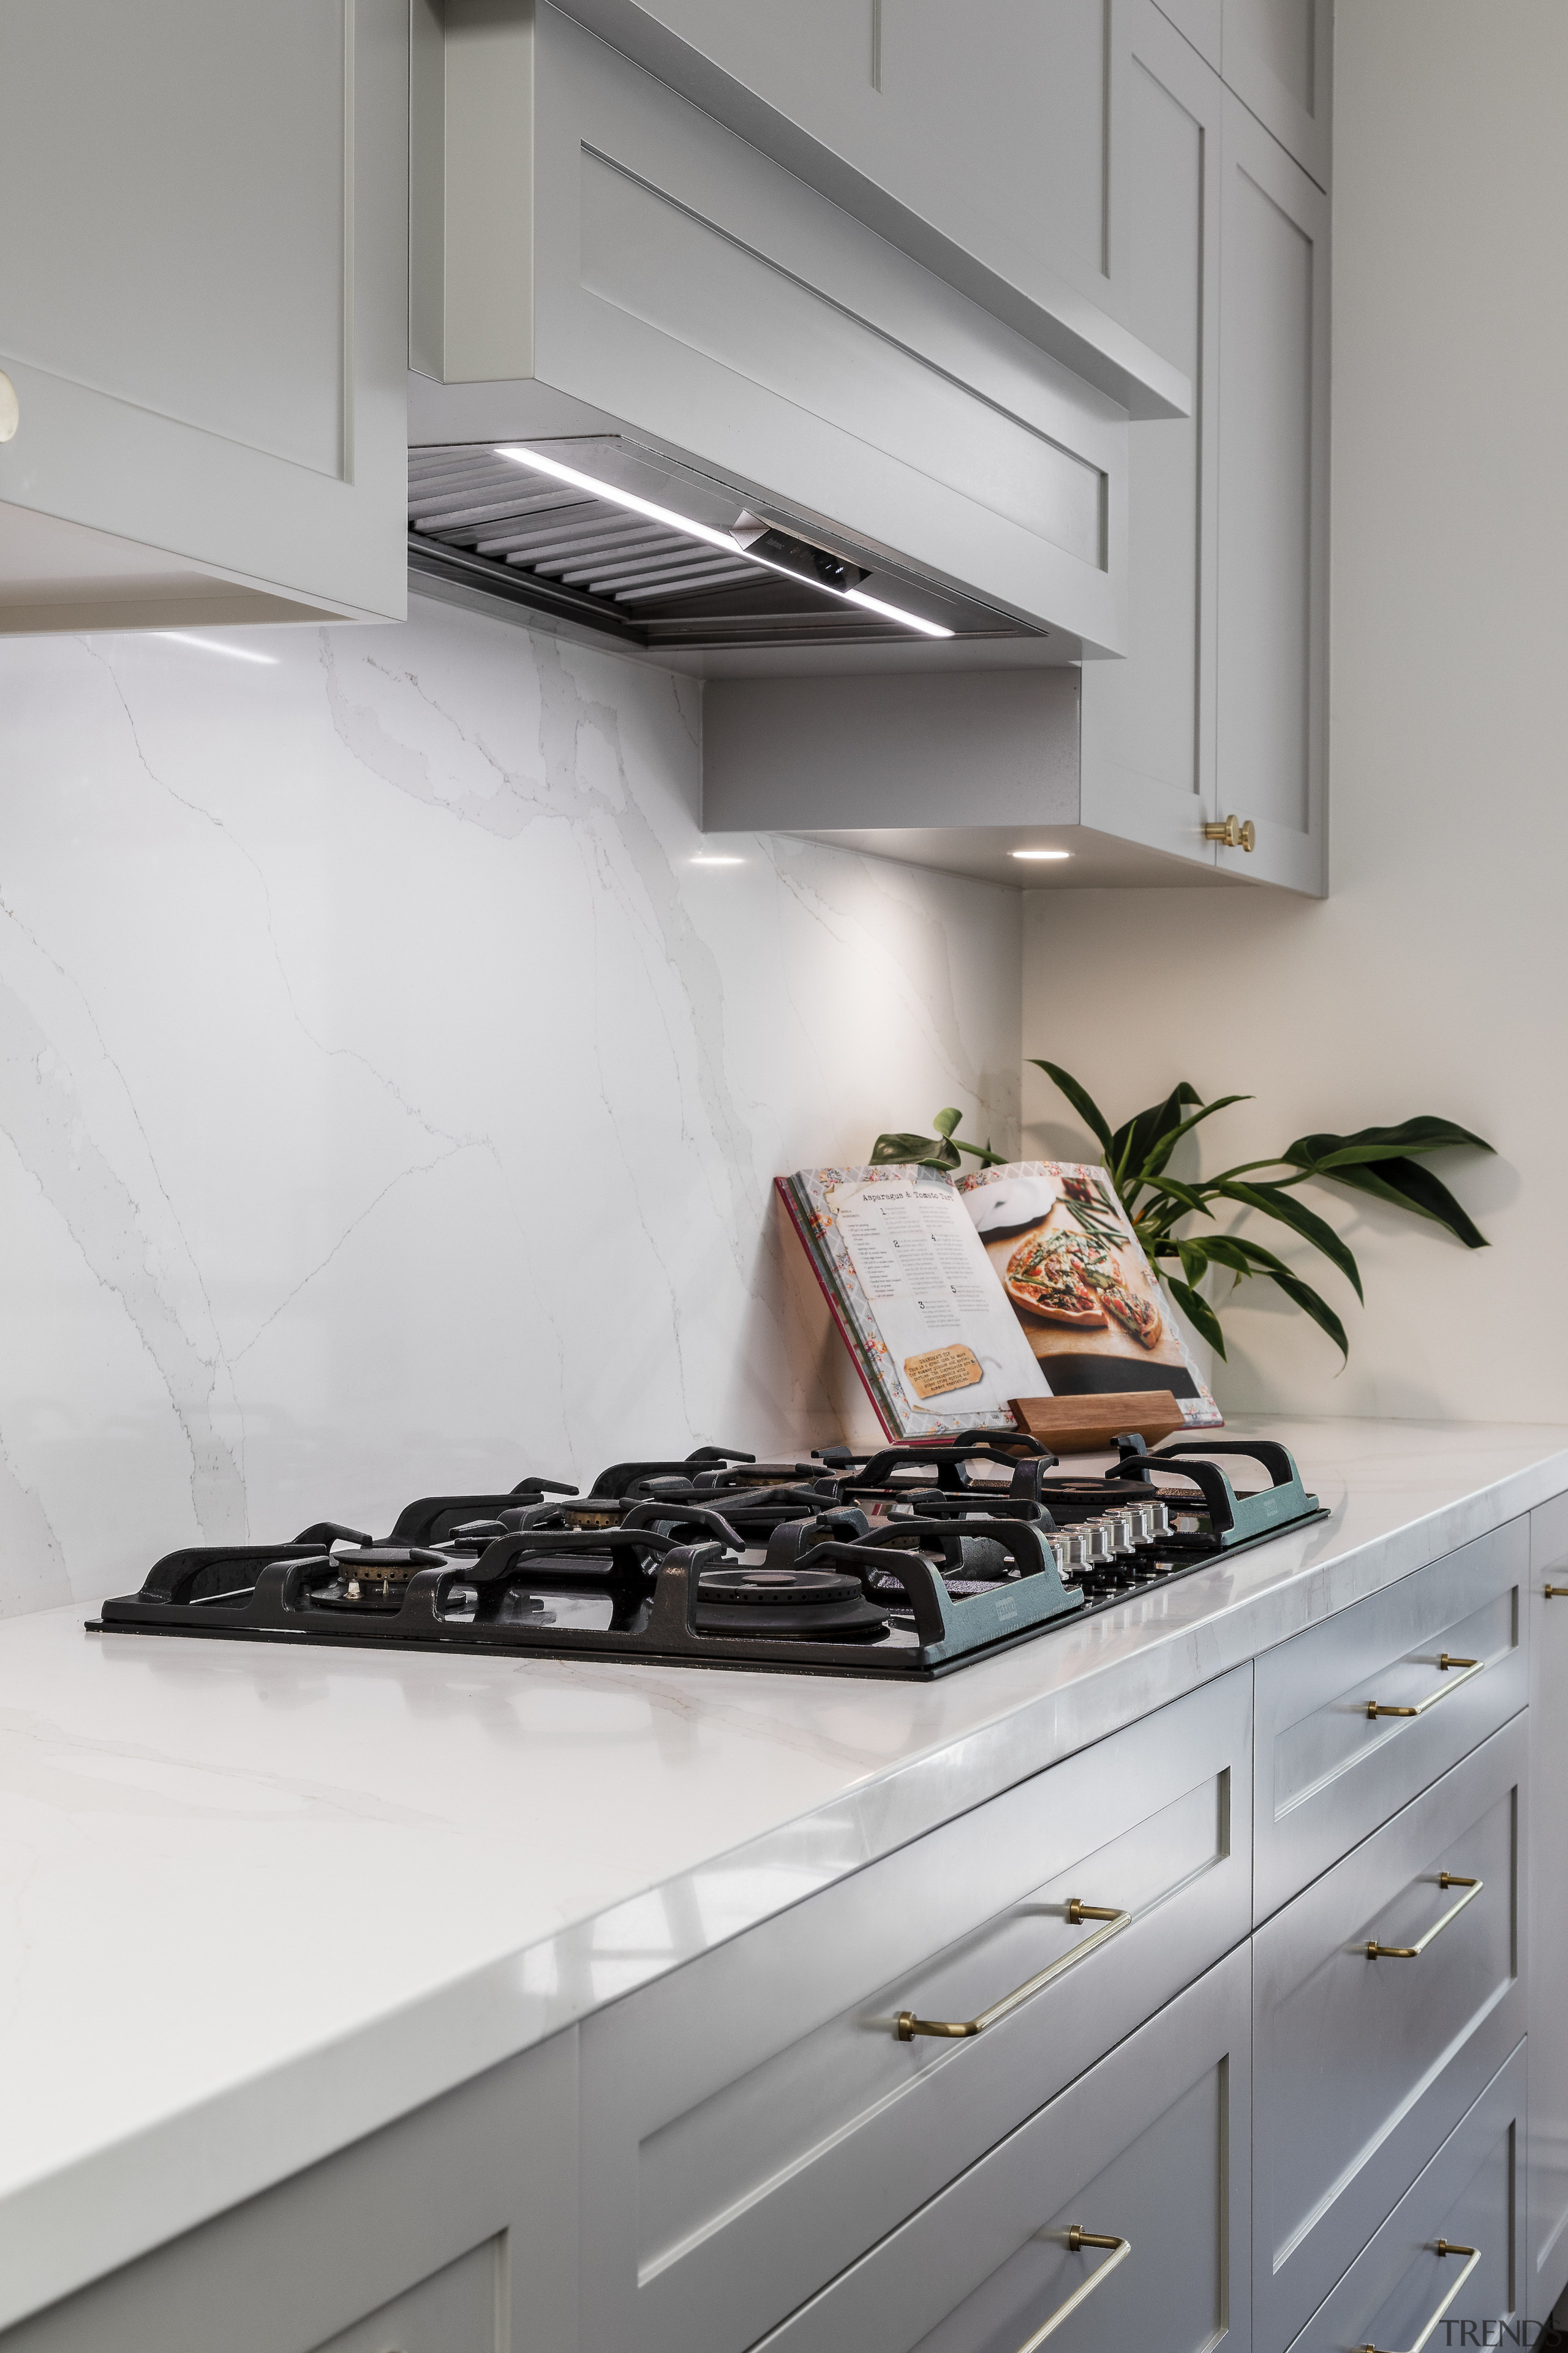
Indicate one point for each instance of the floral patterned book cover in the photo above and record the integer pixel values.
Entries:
(956, 1296)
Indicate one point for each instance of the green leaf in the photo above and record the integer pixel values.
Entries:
(1155, 1164)
(1407, 1185)
(1083, 1102)
(1251, 1259)
(1197, 1311)
(1194, 1258)
(1274, 1202)
(946, 1121)
(1242, 1258)
(1425, 1134)
(1186, 1197)
(1307, 1299)
(1131, 1145)
(924, 1151)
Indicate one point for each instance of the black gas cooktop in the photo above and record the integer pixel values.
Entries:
(908, 1563)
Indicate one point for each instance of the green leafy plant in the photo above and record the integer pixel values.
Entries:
(939, 1151)
(1384, 1162)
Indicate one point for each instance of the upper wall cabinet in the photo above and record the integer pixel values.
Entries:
(1147, 741)
(202, 310)
(1272, 625)
(1215, 711)
(1277, 58)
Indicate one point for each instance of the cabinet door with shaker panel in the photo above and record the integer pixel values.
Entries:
(1272, 507)
(450, 2230)
(1147, 745)
(988, 127)
(1114, 2220)
(1546, 2267)
(1277, 58)
(202, 312)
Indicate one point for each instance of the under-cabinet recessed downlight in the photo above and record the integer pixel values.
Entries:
(1038, 853)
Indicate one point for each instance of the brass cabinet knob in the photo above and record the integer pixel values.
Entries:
(1235, 832)
(10, 407)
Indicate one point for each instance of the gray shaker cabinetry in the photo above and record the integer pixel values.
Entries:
(453, 2230)
(1547, 2238)
(1277, 56)
(1271, 709)
(983, 139)
(1214, 258)
(1364, 2060)
(1119, 2211)
(582, 230)
(1219, 707)
(1328, 1770)
(754, 2122)
(1468, 2199)
(1146, 747)
(203, 310)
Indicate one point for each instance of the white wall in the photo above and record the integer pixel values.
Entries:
(388, 1101)
(1435, 976)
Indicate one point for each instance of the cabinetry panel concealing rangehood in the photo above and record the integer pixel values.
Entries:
(665, 391)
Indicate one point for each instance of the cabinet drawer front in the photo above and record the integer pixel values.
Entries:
(450, 2231)
(455, 2312)
(1363, 2063)
(754, 2122)
(1469, 2197)
(1148, 2150)
(1327, 1771)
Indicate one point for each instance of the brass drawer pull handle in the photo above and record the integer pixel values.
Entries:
(1414, 1952)
(1076, 2239)
(1470, 1666)
(1555, 1592)
(959, 2029)
(1441, 2247)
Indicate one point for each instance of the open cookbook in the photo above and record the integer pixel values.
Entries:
(956, 1294)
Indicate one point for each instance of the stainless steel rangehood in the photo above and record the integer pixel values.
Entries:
(618, 538)
(666, 391)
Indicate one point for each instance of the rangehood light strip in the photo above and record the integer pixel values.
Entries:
(727, 539)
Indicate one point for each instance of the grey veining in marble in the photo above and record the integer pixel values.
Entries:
(390, 1092)
(454, 1858)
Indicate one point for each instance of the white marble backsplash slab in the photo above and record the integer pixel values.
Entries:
(387, 1100)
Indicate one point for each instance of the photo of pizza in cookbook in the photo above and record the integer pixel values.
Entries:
(1086, 1299)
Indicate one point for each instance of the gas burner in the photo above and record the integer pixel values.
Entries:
(908, 1563)
(814, 1604)
(373, 1575)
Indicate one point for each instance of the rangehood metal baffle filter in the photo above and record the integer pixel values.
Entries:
(910, 1563)
(628, 544)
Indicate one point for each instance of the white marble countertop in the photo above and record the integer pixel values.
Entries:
(257, 1903)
